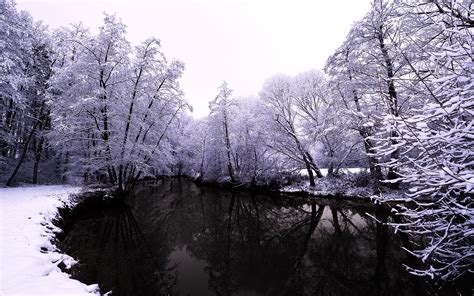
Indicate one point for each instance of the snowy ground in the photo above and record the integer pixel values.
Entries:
(332, 188)
(337, 186)
(28, 261)
(344, 186)
(304, 172)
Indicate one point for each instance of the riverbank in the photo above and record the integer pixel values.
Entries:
(348, 186)
(128, 239)
(165, 236)
(29, 260)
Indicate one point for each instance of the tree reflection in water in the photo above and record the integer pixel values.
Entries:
(177, 238)
(112, 250)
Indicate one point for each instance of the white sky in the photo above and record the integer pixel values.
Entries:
(243, 42)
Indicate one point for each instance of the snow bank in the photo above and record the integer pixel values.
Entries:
(28, 261)
(351, 183)
(330, 188)
(304, 172)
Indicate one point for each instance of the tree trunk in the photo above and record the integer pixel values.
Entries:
(38, 152)
(331, 172)
(375, 171)
(105, 132)
(201, 167)
(393, 103)
(331, 169)
(65, 167)
(364, 132)
(310, 172)
(228, 149)
(313, 165)
(254, 177)
(127, 128)
(307, 159)
(23, 155)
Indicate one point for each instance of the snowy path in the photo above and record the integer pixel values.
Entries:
(25, 229)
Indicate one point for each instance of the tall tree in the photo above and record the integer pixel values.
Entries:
(278, 96)
(220, 110)
(26, 68)
(323, 120)
(436, 144)
(370, 75)
(123, 105)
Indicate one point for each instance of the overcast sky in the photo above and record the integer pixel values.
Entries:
(243, 42)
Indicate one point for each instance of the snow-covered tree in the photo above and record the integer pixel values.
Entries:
(373, 79)
(220, 135)
(87, 85)
(289, 141)
(255, 162)
(25, 67)
(323, 120)
(436, 142)
(15, 48)
(114, 111)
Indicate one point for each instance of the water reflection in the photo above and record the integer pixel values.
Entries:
(113, 250)
(176, 238)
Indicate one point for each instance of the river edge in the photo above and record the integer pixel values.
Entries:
(103, 195)
(306, 192)
(29, 256)
(96, 200)
(327, 188)
(104, 198)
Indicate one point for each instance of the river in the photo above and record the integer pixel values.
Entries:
(178, 238)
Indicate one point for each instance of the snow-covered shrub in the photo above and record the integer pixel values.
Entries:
(436, 146)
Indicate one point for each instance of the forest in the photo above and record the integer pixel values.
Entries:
(395, 99)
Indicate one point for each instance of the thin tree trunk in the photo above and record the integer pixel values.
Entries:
(307, 159)
(375, 171)
(310, 171)
(313, 165)
(23, 155)
(364, 132)
(38, 153)
(133, 179)
(254, 177)
(201, 167)
(150, 104)
(10, 115)
(105, 131)
(127, 128)
(65, 167)
(331, 172)
(228, 149)
(393, 102)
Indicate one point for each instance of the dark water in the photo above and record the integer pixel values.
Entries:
(176, 238)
